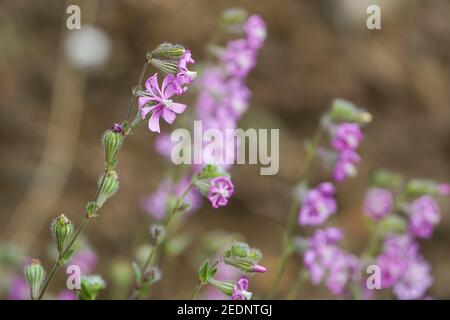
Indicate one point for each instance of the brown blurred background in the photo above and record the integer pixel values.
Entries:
(53, 113)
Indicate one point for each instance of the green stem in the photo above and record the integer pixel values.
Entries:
(137, 292)
(291, 221)
(196, 290)
(85, 221)
(133, 96)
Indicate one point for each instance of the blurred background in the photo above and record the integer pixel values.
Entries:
(56, 99)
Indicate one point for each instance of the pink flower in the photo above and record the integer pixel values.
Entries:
(378, 203)
(347, 136)
(425, 215)
(240, 290)
(67, 295)
(256, 31)
(346, 165)
(158, 102)
(158, 203)
(184, 76)
(444, 189)
(318, 205)
(18, 289)
(220, 190)
(86, 259)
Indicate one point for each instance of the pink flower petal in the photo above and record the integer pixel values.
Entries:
(169, 116)
(153, 123)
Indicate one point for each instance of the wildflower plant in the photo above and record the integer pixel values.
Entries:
(154, 102)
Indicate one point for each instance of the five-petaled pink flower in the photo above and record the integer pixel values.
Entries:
(157, 101)
(220, 190)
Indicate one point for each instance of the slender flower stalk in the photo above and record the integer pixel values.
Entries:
(291, 222)
(138, 290)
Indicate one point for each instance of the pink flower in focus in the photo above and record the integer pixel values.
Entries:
(158, 102)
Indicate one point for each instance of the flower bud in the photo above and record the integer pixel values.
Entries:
(108, 184)
(345, 111)
(61, 229)
(386, 179)
(392, 224)
(157, 233)
(239, 249)
(244, 265)
(90, 287)
(416, 187)
(168, 67)
(232, 19)
(167, 51)
(255, 255)
(112, 140)
(223, 286)
(35, 275)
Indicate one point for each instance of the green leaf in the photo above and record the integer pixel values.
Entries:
(203, 271)
(85, 293)
(68, 255)
(211, 273)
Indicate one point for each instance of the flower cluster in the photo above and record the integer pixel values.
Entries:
(327, 262)
(318, 205)
(223, 95)
(346, 140)
(378, 203)
(403, 268)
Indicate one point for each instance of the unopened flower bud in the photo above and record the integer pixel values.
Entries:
(417, 187)
(255, 255)
(168, 67)
(244, 265)
(35, 275)
(61, 229)
(112, 140)
(223, 286)
(108, 184)
(232, 19)
(239, 249)
(90, 287)
(157, 233)
(167, 51)
(345, 111)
